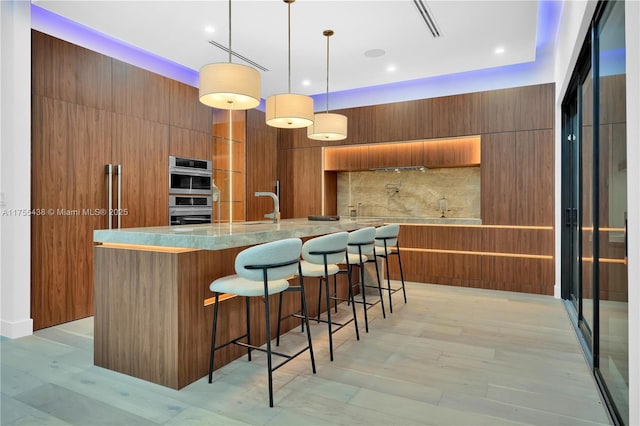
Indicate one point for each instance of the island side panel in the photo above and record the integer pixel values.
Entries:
(136, 314)
(196, 271)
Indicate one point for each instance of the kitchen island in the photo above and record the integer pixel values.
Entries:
(153, 313)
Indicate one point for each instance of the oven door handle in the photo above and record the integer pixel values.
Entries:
(190, 172)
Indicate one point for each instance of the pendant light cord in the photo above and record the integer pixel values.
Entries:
(289, 26)
(229, 31)
(327, 97)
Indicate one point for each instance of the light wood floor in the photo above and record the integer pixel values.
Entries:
(453, 356)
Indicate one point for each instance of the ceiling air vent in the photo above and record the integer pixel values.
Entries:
(427, 16)
(239, 56)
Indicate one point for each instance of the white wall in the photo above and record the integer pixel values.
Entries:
(15, 168)
(574, 23)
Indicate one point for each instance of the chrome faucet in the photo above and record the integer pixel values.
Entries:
(276, 206)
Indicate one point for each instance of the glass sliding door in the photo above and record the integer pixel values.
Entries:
(594, 202)
(612, 176)
(585, 138)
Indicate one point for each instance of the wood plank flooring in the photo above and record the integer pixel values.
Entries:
(450, 356)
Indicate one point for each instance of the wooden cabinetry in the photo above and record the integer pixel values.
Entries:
(396, 155)
(262, 164)
(142, 149)
(458, 152)
(89, 110)
(70, 146)
(347, 158)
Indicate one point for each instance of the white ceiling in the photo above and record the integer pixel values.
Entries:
(470, 33)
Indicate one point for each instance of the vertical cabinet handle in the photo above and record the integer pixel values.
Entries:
(119, 174)
(108, 171)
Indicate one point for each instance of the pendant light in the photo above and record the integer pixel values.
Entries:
(229, 86)
(328, 126)
(289, 110)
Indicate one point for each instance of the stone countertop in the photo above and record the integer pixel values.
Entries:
(228, 235)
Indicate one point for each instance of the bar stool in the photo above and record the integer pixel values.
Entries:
(360, 248)
(386, 238)
(261, 271)
(320, 257)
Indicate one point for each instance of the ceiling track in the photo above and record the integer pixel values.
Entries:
(427, 17)
(239, 56)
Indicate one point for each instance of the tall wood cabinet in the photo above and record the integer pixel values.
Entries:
(89, 110)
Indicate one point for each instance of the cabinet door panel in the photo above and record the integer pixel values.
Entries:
(70, 146)
(347, 158)
(396, 155)
(142, 148)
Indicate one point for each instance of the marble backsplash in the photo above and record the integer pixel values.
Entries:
(411, 193)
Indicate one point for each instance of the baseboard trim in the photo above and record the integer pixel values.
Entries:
(16, 329)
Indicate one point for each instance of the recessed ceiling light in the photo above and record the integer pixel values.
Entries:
(499, 50)
(306, 83)
(391, 68)
(209, 29)
(374, 53)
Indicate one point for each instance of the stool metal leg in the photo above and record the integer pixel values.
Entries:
(268, 336)
(386, 262)
(364, 297)
(319, 301)
(213, 335)
(305, 313)
(379, 286)
(279, 318)
(353, 304)
(326, 281)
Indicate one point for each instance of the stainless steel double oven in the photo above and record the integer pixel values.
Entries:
(190, 191)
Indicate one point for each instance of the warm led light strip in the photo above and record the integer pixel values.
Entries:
(544, 228)
(223, 297)
(140, 247)
(605, 260)
(480, 253)
(590, 229)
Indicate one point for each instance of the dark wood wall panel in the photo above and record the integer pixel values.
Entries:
(534, 179)
(452, 152)
(535, 106)
(415, 116)
(69, 150)
(498, 179)
(70, 73)
(347, 158)
(190, 143)
(392, 155)
(186, 110)
(518, 274)
(439, 268)
(262, 162)
(142, 149)
(89, 110)
(140, 93)
(441, 237)
(521, 241)
(457, 115)
(498, 110)
(300, 172)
